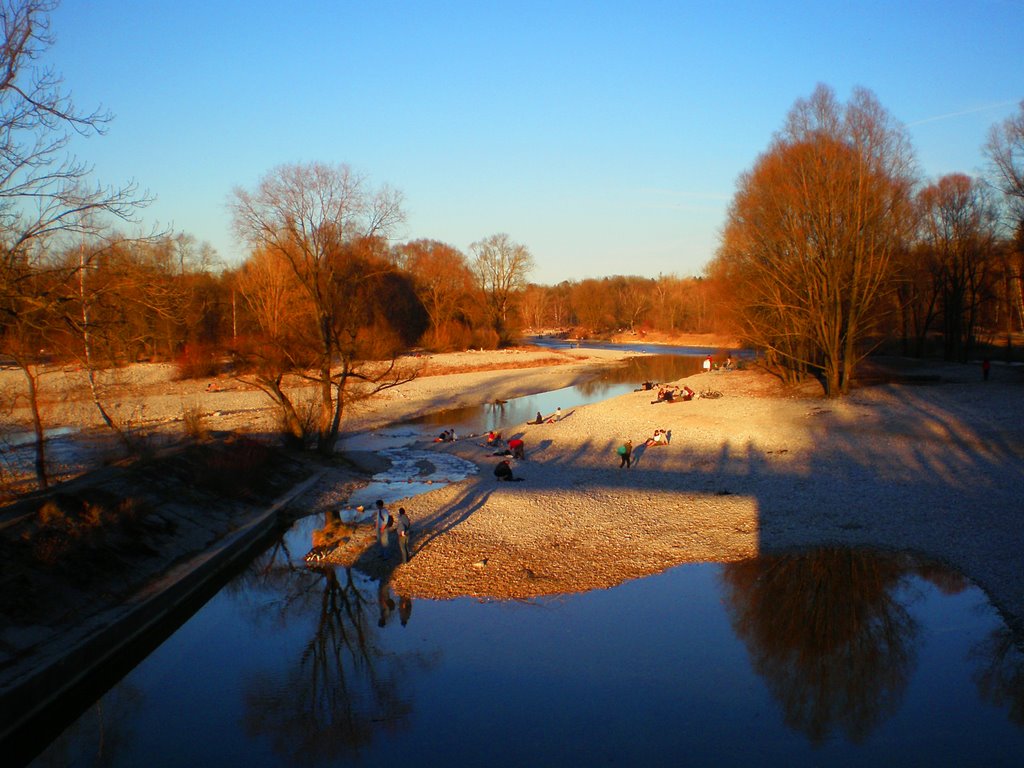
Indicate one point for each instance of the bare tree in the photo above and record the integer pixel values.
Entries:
(47, 201)
(326, 224)
(811, 233)
(958, 231)
(501, 267)
(634, 299)
(1005, 150)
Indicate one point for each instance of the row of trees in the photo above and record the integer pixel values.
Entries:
(833, 246)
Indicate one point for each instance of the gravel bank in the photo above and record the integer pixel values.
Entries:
(934, 469)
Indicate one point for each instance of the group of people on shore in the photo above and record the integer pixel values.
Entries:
(670, 393)
(625, 449)
(553, 418)
(516, 447)
(709, 365)
(516, 450)
(384, 522)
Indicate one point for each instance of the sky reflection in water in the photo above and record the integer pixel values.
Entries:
(828, 657)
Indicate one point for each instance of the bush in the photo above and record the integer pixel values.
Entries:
(197, 361)
(71, 525)
(193, 421)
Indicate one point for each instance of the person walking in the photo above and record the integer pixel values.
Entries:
(404, 526)
(383, 521)
(625, 452)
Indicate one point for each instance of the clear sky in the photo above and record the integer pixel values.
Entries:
(605, 137)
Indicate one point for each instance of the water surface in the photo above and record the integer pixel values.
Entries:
(827, 657)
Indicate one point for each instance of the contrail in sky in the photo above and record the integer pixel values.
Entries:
(961, 114)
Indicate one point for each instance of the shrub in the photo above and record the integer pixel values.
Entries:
(194, 423)
(197, 361)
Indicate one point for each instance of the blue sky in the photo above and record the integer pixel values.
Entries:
(605, 137)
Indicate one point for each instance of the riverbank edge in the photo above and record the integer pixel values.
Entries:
(72, 661)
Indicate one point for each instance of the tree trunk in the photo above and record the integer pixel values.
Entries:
(37, 427)
(325, 440)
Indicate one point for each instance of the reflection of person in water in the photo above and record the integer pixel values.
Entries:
(404, 609)
(826, 631)
(384, 602)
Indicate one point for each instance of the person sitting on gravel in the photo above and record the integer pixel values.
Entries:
(494, 439)
(504, 471)
(688, 394)
(658, 438)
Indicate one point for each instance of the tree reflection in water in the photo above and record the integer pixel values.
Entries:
(343, 687)
(1000, 673)
(826, 632)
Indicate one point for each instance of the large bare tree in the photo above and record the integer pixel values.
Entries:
(326, 225)
(811, 234)
(501, 267)
(47, 198)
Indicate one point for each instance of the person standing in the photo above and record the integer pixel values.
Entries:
(381, 521)
(707, 364)
(404, 526)
(625, 454)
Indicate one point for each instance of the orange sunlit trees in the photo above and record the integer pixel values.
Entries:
(444, 284)
(811, 233)
(323, 226)
(958, 236)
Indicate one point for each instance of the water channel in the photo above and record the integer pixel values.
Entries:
(825, 657)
